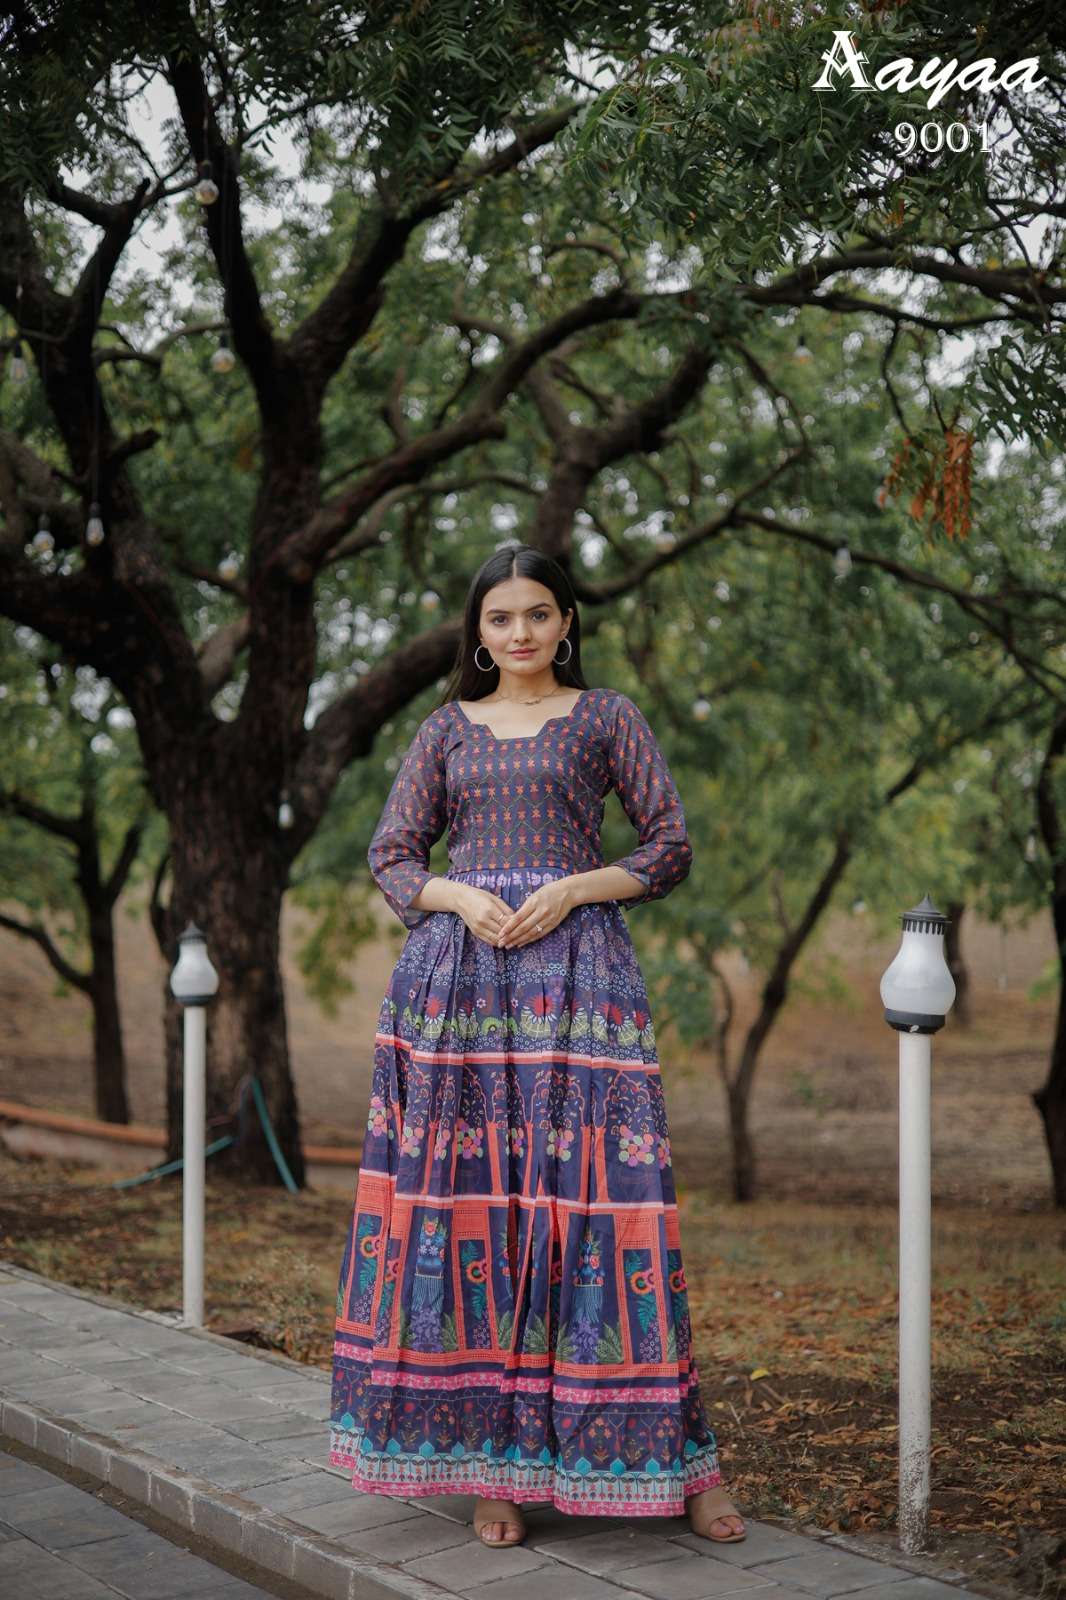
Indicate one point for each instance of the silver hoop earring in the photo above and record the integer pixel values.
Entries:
(562, 663)
(477, 663)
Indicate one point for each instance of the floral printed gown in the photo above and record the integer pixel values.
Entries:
(511, 1313)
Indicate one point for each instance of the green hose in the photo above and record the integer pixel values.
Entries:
(169, 1166)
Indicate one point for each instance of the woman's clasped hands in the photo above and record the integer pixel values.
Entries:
(489, 917)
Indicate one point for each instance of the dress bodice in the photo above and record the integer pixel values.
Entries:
(536, 800)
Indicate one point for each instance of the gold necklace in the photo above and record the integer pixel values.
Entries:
(516, 700)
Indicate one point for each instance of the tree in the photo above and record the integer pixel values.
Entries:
(420, 121)
(68, 776)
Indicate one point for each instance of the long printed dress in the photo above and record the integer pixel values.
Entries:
(511, 1312)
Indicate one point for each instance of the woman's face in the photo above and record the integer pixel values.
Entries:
(521, 614)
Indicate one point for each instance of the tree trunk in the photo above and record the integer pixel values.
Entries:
(109, 1055)
(961, 1011)
(1050, 1099)
(231, 883)
(741, 1145)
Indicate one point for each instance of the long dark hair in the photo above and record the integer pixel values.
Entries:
(466, 680)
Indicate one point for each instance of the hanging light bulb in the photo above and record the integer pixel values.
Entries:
(1030, 846)
(802, 351)
(429, 600)
(286, 815)
(94, 528)
(43, 541)
(701, 709)
(223, 359)
(858, 907)
(19, 369)
(842, 562)
(206, 190)
(229, 567)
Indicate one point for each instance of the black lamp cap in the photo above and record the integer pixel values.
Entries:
(924, 918)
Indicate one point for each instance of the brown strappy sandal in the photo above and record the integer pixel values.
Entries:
(514, 1529)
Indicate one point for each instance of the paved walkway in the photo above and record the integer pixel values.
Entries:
(230, 1443)
(59, 1541)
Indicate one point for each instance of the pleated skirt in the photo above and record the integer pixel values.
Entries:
(511, 1314)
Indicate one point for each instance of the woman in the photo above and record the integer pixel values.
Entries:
(511, 1313)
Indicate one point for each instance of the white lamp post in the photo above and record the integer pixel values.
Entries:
(917, 991)
(193, 982)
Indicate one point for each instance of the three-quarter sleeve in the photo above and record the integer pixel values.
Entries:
(412, 821)
(641, 778)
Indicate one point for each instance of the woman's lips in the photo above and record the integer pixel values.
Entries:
(521, 652)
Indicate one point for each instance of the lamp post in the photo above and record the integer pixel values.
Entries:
(917, 990)
(193, 982)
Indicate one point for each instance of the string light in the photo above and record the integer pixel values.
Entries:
(19, 369)
(206, 190)
(842, 561)
(802, 351)
(229, 567)
(94, 528)
(223, 359)
(701, 709)
(286, 815)
(1030, 846)
(43, 542)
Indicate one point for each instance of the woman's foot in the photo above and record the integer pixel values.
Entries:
(498, 1521)
(714, 1516)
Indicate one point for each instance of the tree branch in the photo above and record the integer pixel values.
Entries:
(253, 338)
(39, 935)
(327, 333)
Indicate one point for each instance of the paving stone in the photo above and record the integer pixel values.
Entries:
(153, 1571)
(828, 1571)
(19, 1420)
(18, 1364)
(534, 1585)
(19, 1477)
(763, 1543)
(43, 1390)
(355, 1511)
(247, 1471)
(250, 1367)
(157, 1436)
(690, 1578)
(322, 1567)
(467, 1565)
(90, 1455)
(114, 1419)
(83, 1523)
(29, 1573)
(269, 1542)
(93, 1396)
(311, 1447)
(611, 1549)
(237, 1590)
(913, 1587)
(290, 1494)
(220, 1517)
(407, 1538)
(455, 1507)
(289, 1424)
(46, 1499)
(130, 1473)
